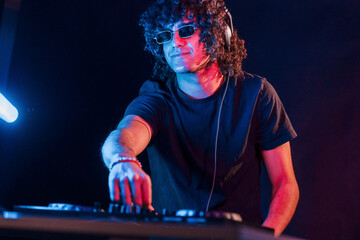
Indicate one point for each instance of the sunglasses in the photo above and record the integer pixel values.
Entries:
(185, 31)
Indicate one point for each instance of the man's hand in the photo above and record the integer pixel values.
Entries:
(129, 184)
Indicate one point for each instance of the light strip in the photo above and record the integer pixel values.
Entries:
(7, 111)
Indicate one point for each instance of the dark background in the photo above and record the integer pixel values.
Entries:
(77, 64)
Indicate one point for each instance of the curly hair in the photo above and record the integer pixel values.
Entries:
(210, 17)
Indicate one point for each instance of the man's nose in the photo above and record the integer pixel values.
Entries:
(177, 40)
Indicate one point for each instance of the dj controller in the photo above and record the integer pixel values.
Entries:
(68, 221)
(130, 213)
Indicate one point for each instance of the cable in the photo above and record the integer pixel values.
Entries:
(216, 141)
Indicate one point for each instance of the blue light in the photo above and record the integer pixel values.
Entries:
(7, 111)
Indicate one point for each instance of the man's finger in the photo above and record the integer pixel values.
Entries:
(116, 190)
(125, 191)
(136, 190)
(111, 187)
(146, 191)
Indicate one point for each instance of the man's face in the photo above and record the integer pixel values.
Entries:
(185, 55)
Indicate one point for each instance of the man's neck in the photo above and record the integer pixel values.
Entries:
(201, 84)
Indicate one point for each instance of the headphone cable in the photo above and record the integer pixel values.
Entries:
(216, 141)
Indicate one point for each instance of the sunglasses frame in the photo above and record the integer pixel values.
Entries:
(172, 33)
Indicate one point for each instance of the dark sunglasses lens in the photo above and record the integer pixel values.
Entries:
(186, 31)
(163, 37)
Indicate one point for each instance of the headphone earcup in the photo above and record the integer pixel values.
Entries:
(227, 35)
(228, 29)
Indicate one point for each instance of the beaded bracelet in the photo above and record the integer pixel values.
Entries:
(124, 159)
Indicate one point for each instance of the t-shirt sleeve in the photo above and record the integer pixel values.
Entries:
(275, 127)
(149, 105)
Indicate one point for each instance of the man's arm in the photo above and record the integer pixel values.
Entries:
(127, 179)
(285, 190)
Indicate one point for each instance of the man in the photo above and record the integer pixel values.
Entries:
(205, 123)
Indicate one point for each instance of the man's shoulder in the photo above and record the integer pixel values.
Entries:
(153, 86)
(253, 78)
(252, 82)
(257, 81)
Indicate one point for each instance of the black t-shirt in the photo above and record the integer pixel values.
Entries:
(181, 151)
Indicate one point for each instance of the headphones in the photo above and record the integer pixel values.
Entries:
(229, 29)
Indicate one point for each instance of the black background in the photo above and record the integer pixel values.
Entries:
(77, 64)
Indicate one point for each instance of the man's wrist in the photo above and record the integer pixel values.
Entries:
(119, 159)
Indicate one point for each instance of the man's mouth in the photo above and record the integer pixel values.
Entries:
(179, 54)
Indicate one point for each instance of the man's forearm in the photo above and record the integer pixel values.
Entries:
(282, 207)
(118, 142)
(130, 139)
